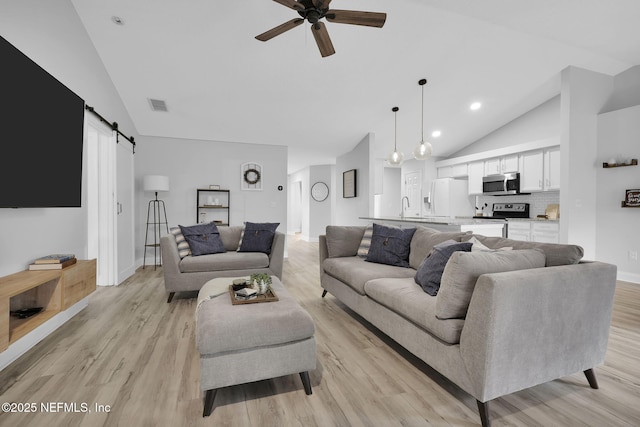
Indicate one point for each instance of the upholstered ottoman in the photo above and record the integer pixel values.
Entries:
(251, 342)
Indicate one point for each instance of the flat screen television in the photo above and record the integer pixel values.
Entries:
(41, 129)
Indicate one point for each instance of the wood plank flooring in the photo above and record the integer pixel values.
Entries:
(131, 350)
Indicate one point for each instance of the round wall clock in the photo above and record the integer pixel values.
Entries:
(319, 191)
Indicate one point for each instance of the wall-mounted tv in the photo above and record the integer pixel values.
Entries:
(41, 134)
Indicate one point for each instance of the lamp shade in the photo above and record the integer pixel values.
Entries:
(155, 183)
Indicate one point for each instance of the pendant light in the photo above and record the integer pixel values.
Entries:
(423, 150)
(396, 157)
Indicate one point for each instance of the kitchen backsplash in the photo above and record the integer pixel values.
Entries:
(538, 201)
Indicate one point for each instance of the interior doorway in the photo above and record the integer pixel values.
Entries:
(110, 183)
(101, 243)
(413, 191)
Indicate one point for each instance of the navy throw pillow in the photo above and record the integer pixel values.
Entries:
(390, 245)
(203, 239)
(258, 237)
(430, 271)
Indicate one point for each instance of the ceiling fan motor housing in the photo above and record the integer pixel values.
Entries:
(312, 14)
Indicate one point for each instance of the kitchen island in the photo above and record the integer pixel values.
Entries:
(485, 227)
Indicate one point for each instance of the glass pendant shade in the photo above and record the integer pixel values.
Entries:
(423, 150)
(396, 158)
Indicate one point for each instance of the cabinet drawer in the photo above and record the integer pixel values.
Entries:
(520, 226)
(545, 237)
(78, 281)
(546, 226)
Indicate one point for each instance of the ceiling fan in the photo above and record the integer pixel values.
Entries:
(313, 11)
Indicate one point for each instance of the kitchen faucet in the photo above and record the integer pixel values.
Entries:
(408, 206)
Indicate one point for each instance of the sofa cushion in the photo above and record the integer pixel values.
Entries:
(203, 239)
(355, 271)
(464, 268)
(230, 236)
(390, 245)
(365, 243)
(404, 297)
(258, 237)
(557, 254)
(224, 261)
(343, 240)
(430, 271)
(424, 239)
(181, 242)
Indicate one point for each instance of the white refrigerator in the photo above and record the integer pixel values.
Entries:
(450, 197)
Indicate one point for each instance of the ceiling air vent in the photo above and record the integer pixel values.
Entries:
(158, 105)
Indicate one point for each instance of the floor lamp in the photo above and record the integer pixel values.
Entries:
(155, 183)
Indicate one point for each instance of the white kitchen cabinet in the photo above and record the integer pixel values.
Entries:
(531, 171)
(534, 231)
(552, 169)
(445, 172)
(459, 171)
(492, 166)
(509, 164)
(500, 165)
(519, 230)
(545, 232)
(476, 172)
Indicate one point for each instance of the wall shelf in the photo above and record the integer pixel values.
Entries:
(215, 208)
(634, 162)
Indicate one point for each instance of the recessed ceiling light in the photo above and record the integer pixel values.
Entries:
(475, 106)
(436, 133)
(117, 20)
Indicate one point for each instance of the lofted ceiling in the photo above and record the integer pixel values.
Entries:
(221, 84)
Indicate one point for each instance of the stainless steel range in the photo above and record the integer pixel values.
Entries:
(504, 211)
(511, 210)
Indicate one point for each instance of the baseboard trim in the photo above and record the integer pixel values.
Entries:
(629, 277)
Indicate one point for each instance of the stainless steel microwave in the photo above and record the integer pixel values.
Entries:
(501, 185)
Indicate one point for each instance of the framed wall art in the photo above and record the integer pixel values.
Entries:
(251, 176)
(349, 184)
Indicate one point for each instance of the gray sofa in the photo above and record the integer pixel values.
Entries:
(190, 273)
(516, 328)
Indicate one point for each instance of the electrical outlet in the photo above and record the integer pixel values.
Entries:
(633, 256)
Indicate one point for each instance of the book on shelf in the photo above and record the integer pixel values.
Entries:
(57, 266)
(54, 259)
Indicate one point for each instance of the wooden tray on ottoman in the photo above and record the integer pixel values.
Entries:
(270, 296)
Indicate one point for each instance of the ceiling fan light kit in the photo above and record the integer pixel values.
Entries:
(315, 10)
(424, 149)
(397, 157)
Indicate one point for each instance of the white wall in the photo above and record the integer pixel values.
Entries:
(193, 164)
(314, 216)
(540, 123)
(584, 93)
(51, 34)
(626, 91)
(388, 202)
(320, 213)
(348, 211)
(617, 232)
(298, 204)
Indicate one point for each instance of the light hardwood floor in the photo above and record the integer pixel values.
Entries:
(131, 350)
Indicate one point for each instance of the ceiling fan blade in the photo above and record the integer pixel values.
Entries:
(321, 4)
(276, 31)
(323, 41)
(292, 4)
(354, 17)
